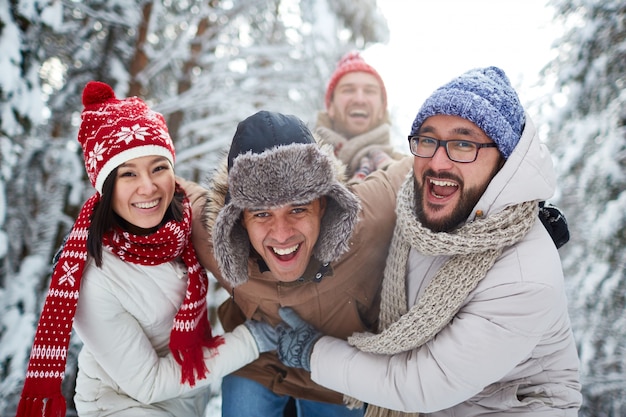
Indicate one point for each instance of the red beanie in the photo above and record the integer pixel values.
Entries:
(115, 131)
(352, 62)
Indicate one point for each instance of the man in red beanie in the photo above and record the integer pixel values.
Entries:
(356, 120)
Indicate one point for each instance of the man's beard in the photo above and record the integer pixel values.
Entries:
(468, 200)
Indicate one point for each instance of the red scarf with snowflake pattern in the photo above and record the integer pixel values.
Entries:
(190, 332)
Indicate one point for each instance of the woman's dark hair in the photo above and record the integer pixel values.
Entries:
(104, 218)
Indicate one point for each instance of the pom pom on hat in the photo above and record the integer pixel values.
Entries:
(115, 131)
(352, 62)
(485, 97)
(97, 92)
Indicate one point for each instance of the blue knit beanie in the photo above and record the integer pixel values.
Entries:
(485, 97)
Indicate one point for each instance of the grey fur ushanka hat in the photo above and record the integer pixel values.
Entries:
(273, 161)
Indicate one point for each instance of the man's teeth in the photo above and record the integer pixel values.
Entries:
(443, 183)
(361, 113)
(285, 251)
(147, 205)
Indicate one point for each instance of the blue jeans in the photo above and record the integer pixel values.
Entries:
(243, 397)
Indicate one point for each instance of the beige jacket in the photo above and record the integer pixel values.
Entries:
(338, 299)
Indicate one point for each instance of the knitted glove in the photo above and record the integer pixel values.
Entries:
(265, 335)
(296, 339)
(365, 168)
(555, 223)
(380, 159)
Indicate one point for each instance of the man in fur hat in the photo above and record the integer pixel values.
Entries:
(280, 228)
(474, 317)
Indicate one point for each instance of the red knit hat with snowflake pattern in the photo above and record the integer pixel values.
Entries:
(115, 131)
(352, 62)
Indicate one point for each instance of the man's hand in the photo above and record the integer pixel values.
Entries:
(365, 168)
(380, 159)
(296, 339)
(265, 335)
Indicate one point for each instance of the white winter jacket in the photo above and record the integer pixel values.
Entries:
(124, 317)
(508, 351)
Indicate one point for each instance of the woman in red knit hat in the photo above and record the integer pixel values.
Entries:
(142, 313)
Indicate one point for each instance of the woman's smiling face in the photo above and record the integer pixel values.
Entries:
(144, 189)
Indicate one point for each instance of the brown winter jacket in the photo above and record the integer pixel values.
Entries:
(339, 300)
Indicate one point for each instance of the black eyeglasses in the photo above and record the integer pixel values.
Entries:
(458, 150)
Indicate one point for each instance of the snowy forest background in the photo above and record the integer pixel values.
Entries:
(207, 64)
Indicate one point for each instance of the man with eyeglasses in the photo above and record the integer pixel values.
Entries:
(474, 318)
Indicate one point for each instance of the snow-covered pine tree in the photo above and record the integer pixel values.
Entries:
(588, 136)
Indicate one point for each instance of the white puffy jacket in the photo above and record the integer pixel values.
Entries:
(510, 348)
(124, 317)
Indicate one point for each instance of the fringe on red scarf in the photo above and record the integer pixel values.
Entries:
(41, 396)
(191, 357)
(53, 406)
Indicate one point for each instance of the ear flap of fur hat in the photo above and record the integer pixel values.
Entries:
(295, 173)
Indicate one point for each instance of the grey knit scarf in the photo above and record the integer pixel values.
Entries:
(350, 151)
(474, 248)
